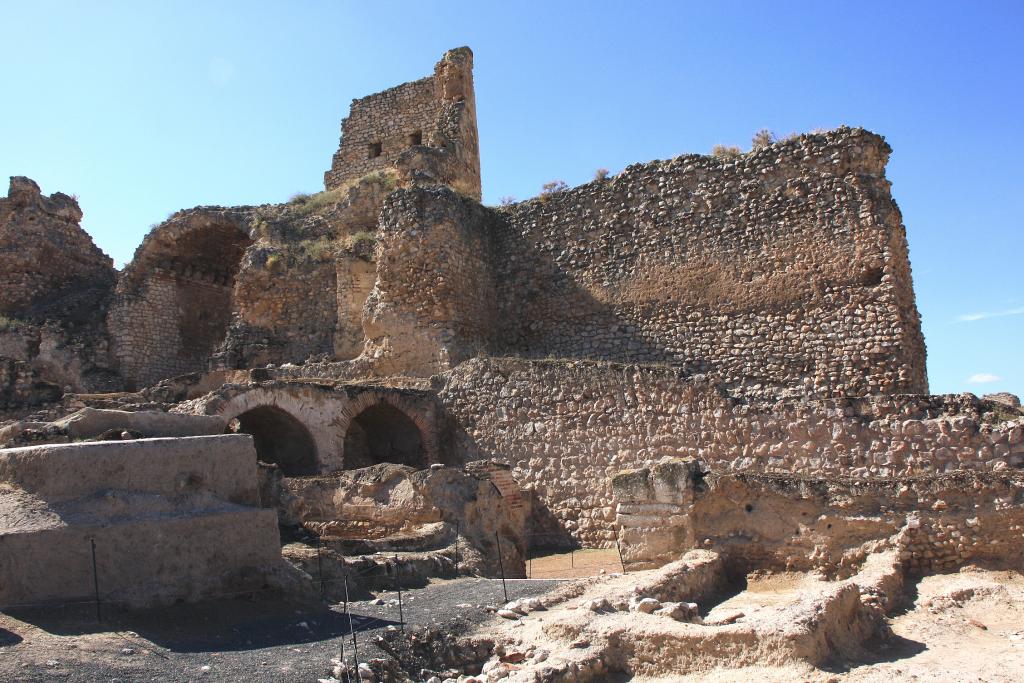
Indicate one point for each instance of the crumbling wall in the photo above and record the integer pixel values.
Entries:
(173, 302)
(54, 289)
(427, 128)
(786, 267)
(936, 522)
(156, 511)
(49, 267)
(433, 303)
(568, 426)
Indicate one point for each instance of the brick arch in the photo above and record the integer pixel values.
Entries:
(295, 406)
(367, 401)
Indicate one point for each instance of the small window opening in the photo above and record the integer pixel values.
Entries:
(374, 150)
(416, 138)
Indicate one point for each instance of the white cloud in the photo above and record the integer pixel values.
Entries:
(972, 317)
(221, 71)
(983, 378)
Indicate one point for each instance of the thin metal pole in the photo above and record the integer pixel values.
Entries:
(398, 584)
(621, 561)
(572, 557)
(501, 566)
(320, 565)
(456, 549)
(95, 579)
(352, 630)
(341, 658)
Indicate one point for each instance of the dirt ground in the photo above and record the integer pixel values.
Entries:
(233, 640)
(959, 628)
(574, 565)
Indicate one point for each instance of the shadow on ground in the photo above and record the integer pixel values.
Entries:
(7, 638)
(219, 626)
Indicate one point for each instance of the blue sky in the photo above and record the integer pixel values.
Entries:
(142, 108)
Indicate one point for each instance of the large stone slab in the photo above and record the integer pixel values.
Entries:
(224, 465)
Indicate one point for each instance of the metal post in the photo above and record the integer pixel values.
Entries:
(501, 566)
(398, 584)
(621, 561)
(456, 549)
(341, 657)
(352, 630)
(572, 558)
(320, 565)
(95, 579)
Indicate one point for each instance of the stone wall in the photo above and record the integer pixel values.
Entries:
(786, 266)
(568, 426)
(937, 522)
(173, 303)
(156, 511)
(433, 303)
(55, 285)
(427, 127)
(328, 412)
(49, 267)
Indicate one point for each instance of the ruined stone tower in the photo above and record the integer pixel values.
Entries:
(426, 128)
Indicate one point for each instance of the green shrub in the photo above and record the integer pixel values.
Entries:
(9, 324)
(362, 237)
(319, 249)
(309, 204)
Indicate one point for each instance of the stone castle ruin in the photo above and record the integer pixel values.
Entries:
(647, 360)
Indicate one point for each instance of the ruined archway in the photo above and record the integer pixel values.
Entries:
(280, 439)
(383, 433)
(174, 301)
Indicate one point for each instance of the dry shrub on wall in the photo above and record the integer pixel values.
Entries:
(773, 280)
(726, 151)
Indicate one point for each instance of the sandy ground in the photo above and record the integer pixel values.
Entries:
(574, 565)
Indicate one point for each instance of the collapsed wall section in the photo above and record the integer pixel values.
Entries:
(784, 267)
(568, 427)
(55, 284)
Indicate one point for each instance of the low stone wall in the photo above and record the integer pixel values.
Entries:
(567, 427)
(223, 465)
(162, 515)
(935, 523)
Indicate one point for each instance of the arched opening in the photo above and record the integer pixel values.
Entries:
(204, 264)
(383, 433)
(279, 439)
(174, 302)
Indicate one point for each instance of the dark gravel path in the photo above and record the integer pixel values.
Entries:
(238, 640)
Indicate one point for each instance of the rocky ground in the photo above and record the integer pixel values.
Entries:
(230, 640)
(959, 627)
